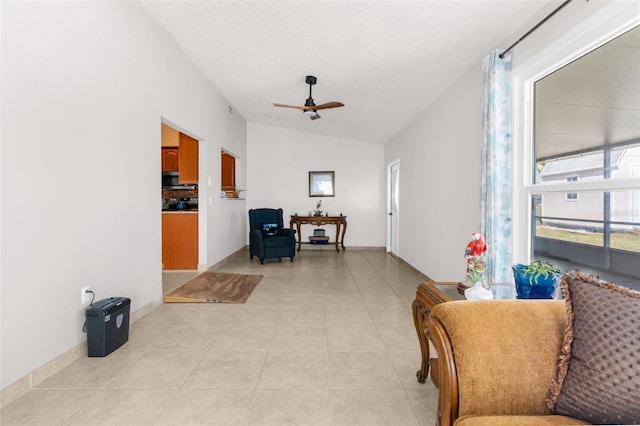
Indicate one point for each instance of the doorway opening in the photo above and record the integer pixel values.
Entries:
(393, 214)
(179, 170)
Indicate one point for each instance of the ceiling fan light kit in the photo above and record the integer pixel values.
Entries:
(310, 108)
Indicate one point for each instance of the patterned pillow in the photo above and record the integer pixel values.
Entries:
(270, 229)
(598, 377)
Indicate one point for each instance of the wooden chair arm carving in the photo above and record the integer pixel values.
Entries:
(447, 374)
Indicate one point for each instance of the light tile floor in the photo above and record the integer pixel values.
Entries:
(325, 340)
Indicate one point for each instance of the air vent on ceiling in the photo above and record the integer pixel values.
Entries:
(230, 109)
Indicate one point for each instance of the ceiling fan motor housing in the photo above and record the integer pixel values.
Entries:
(310, 108)
(311, 80)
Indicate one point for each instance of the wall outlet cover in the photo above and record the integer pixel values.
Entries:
(84, 296)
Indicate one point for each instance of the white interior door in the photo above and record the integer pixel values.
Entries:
(393, 213)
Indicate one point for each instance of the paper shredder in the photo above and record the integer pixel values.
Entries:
(107, 325)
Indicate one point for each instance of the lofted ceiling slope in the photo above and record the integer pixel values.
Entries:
(387, 61)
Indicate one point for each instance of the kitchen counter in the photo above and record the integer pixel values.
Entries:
(185, 211)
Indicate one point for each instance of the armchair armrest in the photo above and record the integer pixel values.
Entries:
(495, 357)
(257, 236)
(288, 232)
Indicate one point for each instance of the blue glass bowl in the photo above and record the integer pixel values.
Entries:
(543, 288)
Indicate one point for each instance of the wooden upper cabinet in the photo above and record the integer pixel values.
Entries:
(188, 159)
(169, 159)
(170, 136)
(228, 172)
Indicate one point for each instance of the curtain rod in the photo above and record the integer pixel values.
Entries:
(535, 28)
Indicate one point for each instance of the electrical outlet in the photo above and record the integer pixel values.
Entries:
(85, 297)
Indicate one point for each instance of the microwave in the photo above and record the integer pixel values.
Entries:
(171, 180)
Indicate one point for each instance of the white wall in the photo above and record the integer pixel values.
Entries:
(439, 182)
(85, 86)
(279, 162)
(440, 152)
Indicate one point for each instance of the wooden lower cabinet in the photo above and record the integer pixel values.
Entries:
(180, 240)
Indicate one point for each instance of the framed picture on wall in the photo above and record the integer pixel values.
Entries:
(322, 184)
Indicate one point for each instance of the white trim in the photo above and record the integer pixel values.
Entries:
(609, 22)
(584, 186)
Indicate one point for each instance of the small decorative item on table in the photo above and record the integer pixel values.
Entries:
(479, 288)
(317, 211)
(474, 252)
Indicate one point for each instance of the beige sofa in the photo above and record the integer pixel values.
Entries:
(496, 360)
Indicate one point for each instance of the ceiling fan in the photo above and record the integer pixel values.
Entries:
(310, 108)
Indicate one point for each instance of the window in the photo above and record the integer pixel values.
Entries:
(571, 196)
(586, 141)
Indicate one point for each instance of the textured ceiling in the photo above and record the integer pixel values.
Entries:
(385, 60)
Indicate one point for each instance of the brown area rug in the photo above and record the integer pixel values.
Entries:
(215, 287)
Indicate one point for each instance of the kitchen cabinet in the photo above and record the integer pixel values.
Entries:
(228, 172)
(170, 158)
(170, 136)
(180, 240)
(182, 159)
(188, 159)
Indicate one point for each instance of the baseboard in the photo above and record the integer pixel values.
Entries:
(221, 263)
(332, 246)
(40, 374)
(14, 391)
(366, 248)
(422, 275)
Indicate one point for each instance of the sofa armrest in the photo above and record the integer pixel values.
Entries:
(443, 372)
(495, 357)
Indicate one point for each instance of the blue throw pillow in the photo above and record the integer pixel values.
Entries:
(270, 228)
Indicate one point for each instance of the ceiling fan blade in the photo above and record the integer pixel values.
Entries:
(291, 106)
(329, 105)
(315, 116)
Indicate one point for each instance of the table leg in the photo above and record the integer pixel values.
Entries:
(299, 235)
(418, 320)
(344, 231)
(337, 235)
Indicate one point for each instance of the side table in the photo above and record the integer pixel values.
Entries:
(430, 294)
(339, 221)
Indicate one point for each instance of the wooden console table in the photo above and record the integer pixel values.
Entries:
(339, 221)
(430, 294)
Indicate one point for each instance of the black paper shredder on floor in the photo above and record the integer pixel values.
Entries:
(107, 325)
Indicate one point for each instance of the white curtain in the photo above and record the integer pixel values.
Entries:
(496, 160)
